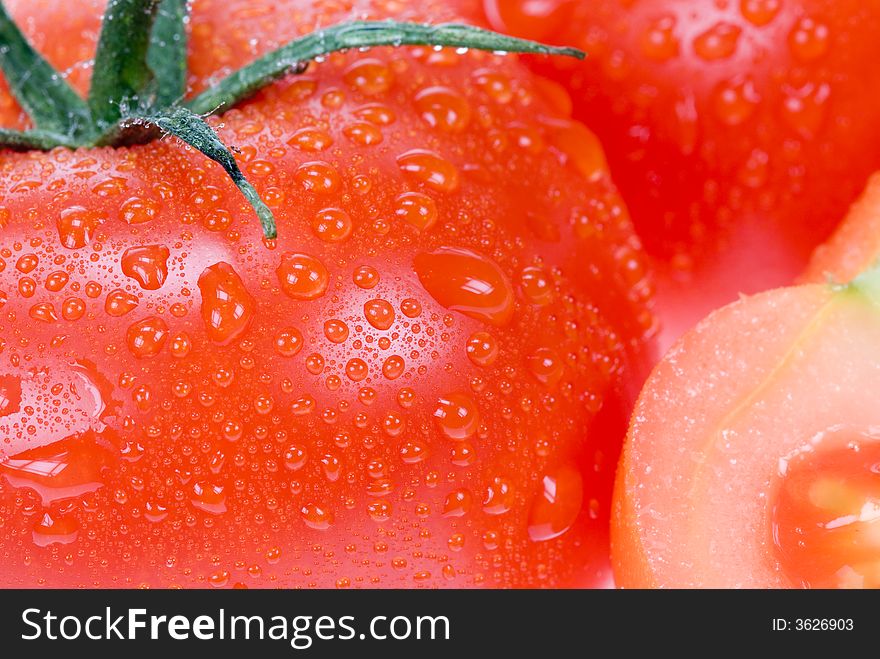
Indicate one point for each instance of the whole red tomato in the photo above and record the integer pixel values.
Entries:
(738, 131)
(422, 382)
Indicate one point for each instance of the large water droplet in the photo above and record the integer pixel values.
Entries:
(227, 306)
(465, 281)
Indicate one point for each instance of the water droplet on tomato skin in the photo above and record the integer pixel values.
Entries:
(44, 312)
(659, 41)
(458, 503)
(457, 416)
(209, 497)
(56, 281)
(465, 281)
(482, 349)
(146, 337)
(498, 497)
(227, 307)
(62, 470)
(26, 263)
(288, 342)
(444, 109)
(430, 168)
(808, 39)
(536, 286)
(147, 265)
(379, 313)
(316, 517)
(311, 139)
(73, 308)
(319, 177)
(760, 12)
(302, 277)
(53, 529)
(735, 101)
(336, 331)
(718, 42)
(332, 225)
(369, 76)
(363, 133)
(393, 367)
(558, 505)
(119, 302)
(76, 226)
(546, 366)
(413, 451)
(356, 369)
(416, 209)
(366, 277)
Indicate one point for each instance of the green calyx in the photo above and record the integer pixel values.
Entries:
(138, 90)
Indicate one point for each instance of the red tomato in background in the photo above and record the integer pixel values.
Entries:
(423, 382)
(738, 131)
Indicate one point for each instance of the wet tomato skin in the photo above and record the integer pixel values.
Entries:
(422, 382)
(738, 132)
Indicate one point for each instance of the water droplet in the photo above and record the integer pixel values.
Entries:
(379, 313)
(411, 308)
(76, 225)
(379, 511)
(318, 177)
(366, 277)
(808, 39)
(316, 517)
(138, 211)
(536, 286)
(209, 497)
(310, 139)
(482, 348)
(73, 308)
(546, 366)
(417, 209)
(227, 307)
(465, 281)
(413, 451)
(430, 168)
(146, 337)
(804, 108)
(44, 312)
(288, 342)
(659, 41)
(147, 265)
(356, 369)
(363, 133)
(332, 225)
(458, 503)
(302, 277)
(735, 101)
(376, 113)
(718, 42)
(26, 263)
(393, 367)
(57, 280)
(494, 84)
(457, 416)
(498, 497)
(10, 395)
(760, 12)
(54, 529)
(336, 330)
(443, 108)
(295, 457)
(556, 508)
(369, 76)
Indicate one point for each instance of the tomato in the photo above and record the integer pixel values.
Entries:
(855, 245)
(753, 453)
(738, 130)
(422, 382)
